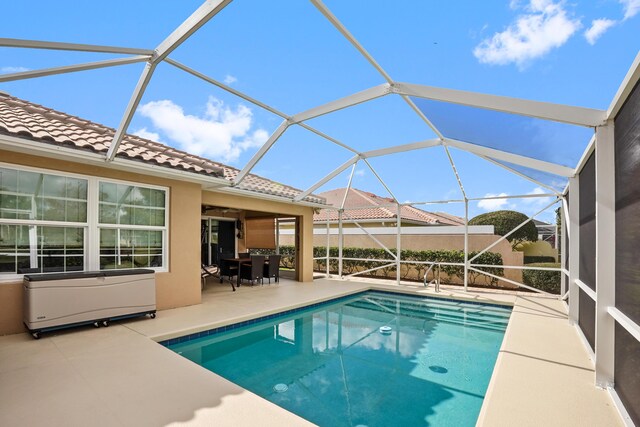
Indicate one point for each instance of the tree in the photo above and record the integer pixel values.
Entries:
(505, 221)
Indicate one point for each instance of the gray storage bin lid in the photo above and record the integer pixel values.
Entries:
(83, 275)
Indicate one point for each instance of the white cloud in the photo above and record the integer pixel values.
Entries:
(222, 133)
(545, 25)
(9, 70)
(631, 8)
(359, 172)
(597, 29)
(144, 133)
(537, 203)
(493, 204)
(229, 79)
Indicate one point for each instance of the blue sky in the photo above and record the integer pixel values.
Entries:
(288, 55)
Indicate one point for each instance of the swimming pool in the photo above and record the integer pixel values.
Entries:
(372, 359)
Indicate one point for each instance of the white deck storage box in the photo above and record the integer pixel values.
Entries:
(54, 301)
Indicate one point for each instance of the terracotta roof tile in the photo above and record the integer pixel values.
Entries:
(28, 120)
(358, 198)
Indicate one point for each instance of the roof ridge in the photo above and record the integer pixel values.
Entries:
(422, 213)
(363, 195)
(376, 205)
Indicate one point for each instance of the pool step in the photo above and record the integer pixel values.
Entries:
(469, 315)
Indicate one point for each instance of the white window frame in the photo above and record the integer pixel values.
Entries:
(92, 226)
(45, 223)
(98, 226)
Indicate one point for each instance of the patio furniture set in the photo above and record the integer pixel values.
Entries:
(254, 268)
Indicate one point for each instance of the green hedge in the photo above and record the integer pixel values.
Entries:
(288, 253)
(539, 259)
(408, 271)
(548, 281)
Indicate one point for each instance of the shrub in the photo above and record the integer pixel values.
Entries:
(408, 270)
(548, 281)
(288, 253)
(505, 221)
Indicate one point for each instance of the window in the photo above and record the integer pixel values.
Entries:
(53, 222)
(132, 226)
(43, 220)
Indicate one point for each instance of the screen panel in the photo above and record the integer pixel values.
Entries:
(627, 376)
(627, 150)
(556, 182)
(540, 139)
(587, 251)
(587, 318)
(587, 273)
(627, 161)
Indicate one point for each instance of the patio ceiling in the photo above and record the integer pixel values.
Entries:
(518, 135)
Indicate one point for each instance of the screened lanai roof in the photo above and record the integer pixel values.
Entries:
(387, 109)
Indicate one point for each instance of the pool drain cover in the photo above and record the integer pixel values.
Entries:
(280, 388)
(385, 330)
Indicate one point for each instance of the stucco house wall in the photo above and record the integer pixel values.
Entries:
(180, 285)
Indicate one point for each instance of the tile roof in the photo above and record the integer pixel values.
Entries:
(359, 198)
(35, 122)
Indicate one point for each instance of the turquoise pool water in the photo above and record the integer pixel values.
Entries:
(373, 359)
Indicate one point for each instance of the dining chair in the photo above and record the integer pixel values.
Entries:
(253, 271)
(227, 268)
(273, 268)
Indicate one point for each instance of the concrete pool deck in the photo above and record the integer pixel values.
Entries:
(120, 376)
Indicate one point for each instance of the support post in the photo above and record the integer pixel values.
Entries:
(605, 254)
(574, 247)
(563, 247)
(328, 243)
(398, 241)
(340, 243)
(466, 244)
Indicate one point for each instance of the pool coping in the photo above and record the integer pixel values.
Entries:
(422, 292)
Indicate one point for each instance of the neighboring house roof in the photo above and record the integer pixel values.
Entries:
(362, 199)
(24, 119)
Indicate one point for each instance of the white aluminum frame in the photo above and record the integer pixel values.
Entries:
(547, 111)
(605, 254)
(541, 110)
(31, 74)
(38, 44)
